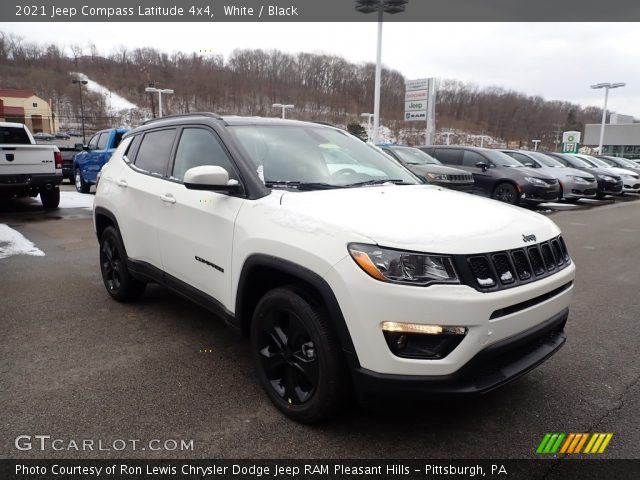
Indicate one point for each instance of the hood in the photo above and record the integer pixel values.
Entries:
(421, 218)
(624, 171)
(424, 169)
(563, 172)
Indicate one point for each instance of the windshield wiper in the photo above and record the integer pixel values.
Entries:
(377, 182)
(301, 185)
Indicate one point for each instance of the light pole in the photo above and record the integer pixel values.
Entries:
(448, 134)
(284, 107)
(368, 116)
(607, 87)
(159, 91)
(381, 7)
(80, 83)
(535, 145)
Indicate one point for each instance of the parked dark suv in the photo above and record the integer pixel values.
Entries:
(497, 175)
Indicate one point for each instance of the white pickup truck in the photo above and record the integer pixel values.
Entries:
(28, 169)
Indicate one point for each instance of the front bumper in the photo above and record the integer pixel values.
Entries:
(489, 317)
(537, 194)
(610, 188)
(631, 186)
(496, 365)
(573, 189)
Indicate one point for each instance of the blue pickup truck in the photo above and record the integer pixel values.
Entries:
(90, 160)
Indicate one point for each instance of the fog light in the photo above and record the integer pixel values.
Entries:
(414, 340)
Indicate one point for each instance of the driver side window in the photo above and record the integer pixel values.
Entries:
(200, 147)
(93, 143)
(470, 159)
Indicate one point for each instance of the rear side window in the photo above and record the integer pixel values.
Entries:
(155, 150)
(14, 135)
(102, 142)
(449, 156)
(130, 153)
(199, 147)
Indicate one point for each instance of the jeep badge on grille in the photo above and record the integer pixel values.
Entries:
(528, 238)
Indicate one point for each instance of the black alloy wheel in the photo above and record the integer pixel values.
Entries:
(288, 356)
(117, 279)
(297, 356)
(507, 193)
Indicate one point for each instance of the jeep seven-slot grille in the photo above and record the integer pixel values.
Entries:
(505, 269)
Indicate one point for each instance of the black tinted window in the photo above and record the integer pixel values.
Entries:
(102, 141)
(117, 140)
(14, 135)
(155, 150)
(521, 158)
(471, 158)
(199, 147)
(448, 155)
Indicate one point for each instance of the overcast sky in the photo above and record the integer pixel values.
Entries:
(555, 60)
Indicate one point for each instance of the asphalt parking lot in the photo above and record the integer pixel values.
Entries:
(75, 364)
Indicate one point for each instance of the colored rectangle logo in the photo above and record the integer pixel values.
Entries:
(574, 443)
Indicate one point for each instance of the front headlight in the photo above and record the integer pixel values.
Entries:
(437, 176)
(535, 181)
(606, 178)
(397, 266)
(578, 179)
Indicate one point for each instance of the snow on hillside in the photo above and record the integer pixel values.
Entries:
(114, 102)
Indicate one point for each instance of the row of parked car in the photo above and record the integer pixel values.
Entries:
(49, 137)
(520, 176)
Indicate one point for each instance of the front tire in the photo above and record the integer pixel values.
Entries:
(50, 198)
(117, 279)
(507, 193)
(81, 185)
(297, 356)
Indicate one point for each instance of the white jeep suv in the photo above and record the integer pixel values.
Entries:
(360, 278)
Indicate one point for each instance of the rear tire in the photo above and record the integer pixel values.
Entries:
(297, 357)
(117, 279)
(507, 193)
(50, 198)
(80, 184)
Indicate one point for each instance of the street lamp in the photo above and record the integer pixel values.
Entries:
(448, 134)
(380, 6)
(283, 107)
(607, 87)
(159, 91)
(80, 83)
(535, 144)
(368, 116)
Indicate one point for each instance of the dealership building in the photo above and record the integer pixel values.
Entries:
(23, 106)
(621, 136)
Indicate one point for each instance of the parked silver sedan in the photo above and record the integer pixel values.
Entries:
(574, 183)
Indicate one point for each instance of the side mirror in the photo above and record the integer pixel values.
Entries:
(79, 147)
(530, 165)
(483, 166)
(210, 177)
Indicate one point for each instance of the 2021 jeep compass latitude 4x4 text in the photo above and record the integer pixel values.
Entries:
(344, 270)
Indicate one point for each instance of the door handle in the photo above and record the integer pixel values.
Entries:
(122, 183)
(167, 198)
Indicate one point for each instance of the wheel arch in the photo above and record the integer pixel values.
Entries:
(262, 273)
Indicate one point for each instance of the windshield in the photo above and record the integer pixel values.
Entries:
(626, 163)
(501, 159)
(413, 156)
(577, 162)
(596, 161)
(286, 155)
(546, 160)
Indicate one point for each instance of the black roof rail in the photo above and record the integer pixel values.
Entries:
(190, 114)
